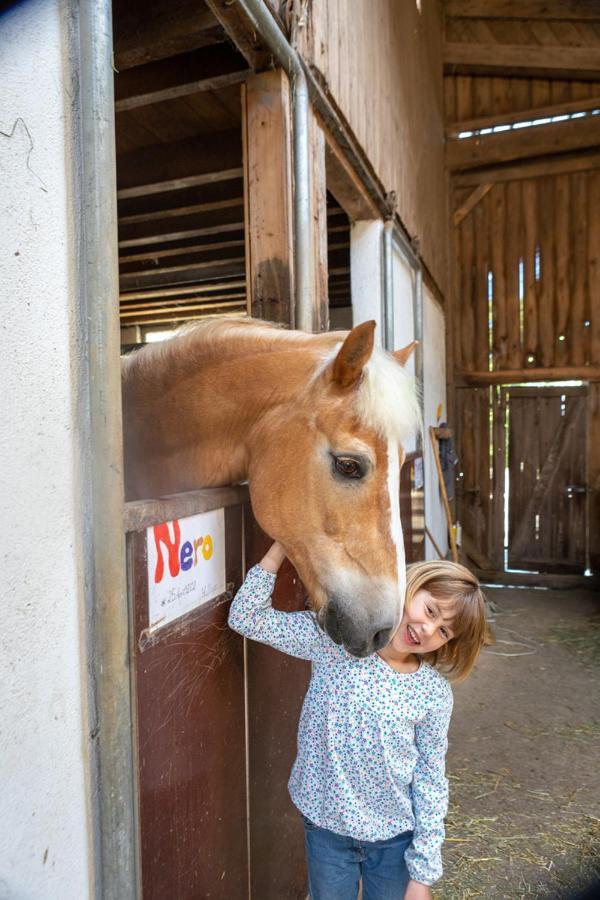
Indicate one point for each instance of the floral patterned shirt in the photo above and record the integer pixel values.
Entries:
(371, 741)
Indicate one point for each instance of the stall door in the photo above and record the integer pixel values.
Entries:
(547, 489)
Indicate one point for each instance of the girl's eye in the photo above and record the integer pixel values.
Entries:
(443, 632)
(348, 467)
(429, 610)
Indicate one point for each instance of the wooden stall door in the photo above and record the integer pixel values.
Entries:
(547, 495)
(189, 688)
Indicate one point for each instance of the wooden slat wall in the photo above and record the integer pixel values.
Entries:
(556, 216)
(471, 96)
(475, 487)
(382, 64)
(530, 32)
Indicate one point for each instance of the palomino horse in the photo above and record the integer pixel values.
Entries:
(314, 423)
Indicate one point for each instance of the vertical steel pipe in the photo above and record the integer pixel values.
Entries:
(111, 720)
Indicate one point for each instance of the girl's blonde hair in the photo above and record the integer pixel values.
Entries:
(456, 590)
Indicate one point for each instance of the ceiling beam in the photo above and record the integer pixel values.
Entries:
(210, 69)
(521, 59)
(187, 234)
(200, 273)
(523, 115)
(155, 30)
(241, 31)
(537, 141)
(522, 9)
(168, 167)
(535, 168)
(175, 211)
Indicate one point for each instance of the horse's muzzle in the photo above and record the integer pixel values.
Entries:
(358, 635)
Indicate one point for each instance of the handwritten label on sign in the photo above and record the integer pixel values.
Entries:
(186, 565)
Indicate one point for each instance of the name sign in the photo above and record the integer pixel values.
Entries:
(186, 565)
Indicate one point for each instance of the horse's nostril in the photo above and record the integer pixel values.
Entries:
(381, 638)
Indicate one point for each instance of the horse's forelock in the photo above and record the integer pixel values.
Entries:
(387, 399)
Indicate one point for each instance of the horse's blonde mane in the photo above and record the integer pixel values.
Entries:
(387, 400)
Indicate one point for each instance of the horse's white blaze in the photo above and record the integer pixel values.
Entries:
(395, 524)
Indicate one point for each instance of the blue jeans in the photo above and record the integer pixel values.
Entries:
(336, 864)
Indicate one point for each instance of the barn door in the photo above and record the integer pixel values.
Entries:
(547, 489)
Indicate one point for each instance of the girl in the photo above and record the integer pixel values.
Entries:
(369, 775)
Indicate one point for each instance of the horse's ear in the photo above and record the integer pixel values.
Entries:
(353, 355)
(403, 355)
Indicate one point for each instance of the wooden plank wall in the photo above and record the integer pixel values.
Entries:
(546, 231)
(471, 96)
(382, 66)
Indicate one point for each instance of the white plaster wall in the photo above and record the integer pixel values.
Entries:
(404, 318)
(44, 770)
(434, 393)
(366, 273)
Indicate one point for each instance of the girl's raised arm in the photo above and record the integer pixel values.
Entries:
(252, 615)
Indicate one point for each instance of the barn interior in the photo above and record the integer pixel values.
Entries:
(183, 175)
(430, 165)
(197, 238)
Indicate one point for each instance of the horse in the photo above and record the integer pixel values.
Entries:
(315, 423)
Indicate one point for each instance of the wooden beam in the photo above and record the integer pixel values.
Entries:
(537, 141)
(182, 164)
(179, 311)
(209, 69)
(345, 185)
(179, 251)
(155, 30)
(266, 108)
(522, 9)
(472, 200)
(181, 291)
(178, 184)
(182, 235)
(522, 59)
(537, 168)
(174, 211)
(516, 376)
(241, 31)
(318, 200)
(193, 266)
(523, 115)
(201, 273)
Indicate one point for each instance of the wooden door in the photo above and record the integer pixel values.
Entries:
(547, 487)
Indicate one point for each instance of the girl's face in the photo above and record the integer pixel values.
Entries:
(423, 628)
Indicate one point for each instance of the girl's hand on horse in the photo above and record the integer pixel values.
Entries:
(273, 558)
(417, 891)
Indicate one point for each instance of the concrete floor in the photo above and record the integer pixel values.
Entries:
(524, 756)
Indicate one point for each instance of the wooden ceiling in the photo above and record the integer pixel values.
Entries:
(179, 163)
(518, 61)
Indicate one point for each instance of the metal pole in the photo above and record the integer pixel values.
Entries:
(269, 31)
(111, 738)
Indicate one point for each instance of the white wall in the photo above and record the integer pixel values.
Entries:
(434, 393)
(403, 312)
(366, 273)
(45, 847)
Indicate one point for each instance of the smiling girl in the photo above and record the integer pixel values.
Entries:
(369, 777)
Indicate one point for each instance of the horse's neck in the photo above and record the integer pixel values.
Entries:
(189, 427)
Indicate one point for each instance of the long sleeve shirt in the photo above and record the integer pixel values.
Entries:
(371, 741)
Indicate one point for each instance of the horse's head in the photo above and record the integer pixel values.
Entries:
(325, 483)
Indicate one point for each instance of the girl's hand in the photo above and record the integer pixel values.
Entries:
(273, 558)
(417, 891)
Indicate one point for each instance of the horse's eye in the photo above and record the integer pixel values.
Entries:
(348, 467)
